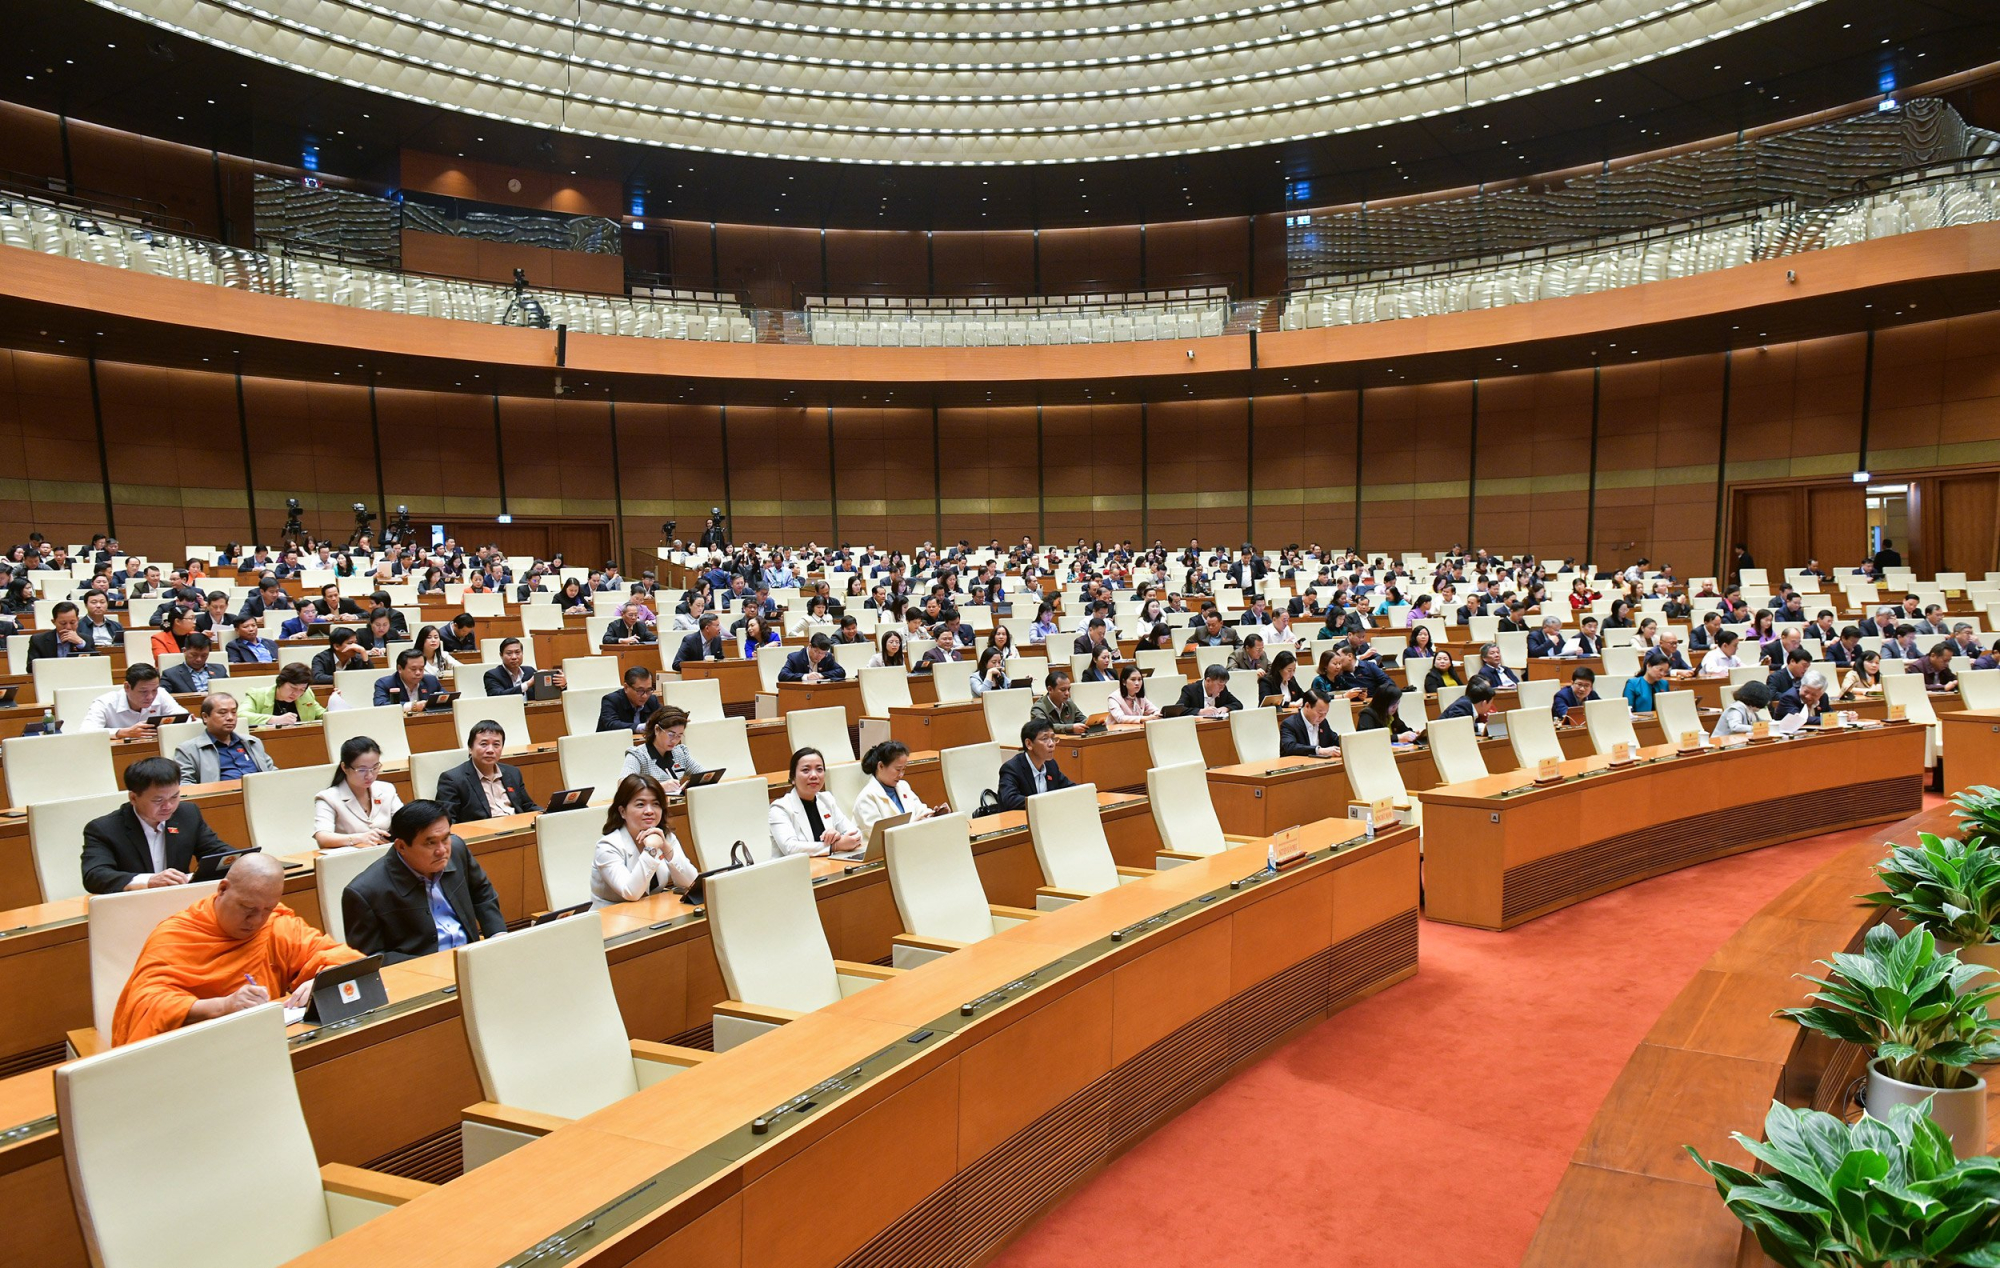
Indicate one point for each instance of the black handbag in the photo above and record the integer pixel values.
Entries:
(739, 856)
(989, 804)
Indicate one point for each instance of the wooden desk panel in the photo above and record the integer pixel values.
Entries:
(1711, 1065)
(663, 970)
(1497, 860)
(845, 694)
(960, 1138)
(1971, 752)
(941, 726)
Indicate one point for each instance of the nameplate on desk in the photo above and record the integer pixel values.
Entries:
(1548, 770)
(1899, 713)
(1760, 730)
(1377, 814)
(1621, 754)
(1690, 742)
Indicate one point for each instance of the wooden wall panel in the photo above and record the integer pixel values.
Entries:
(877, 262)
(1907, 419)
(779, 476)
(1092, 482)
(30, 141)
(989, 485)
(1837, 524)
(1000, 263)
(439, 452)
(1659, 430)
(1966, 522)
(1969, 429)
(670, 468)
(312, 442)
(175, 453)
(1199, 253)
(558, 456)
(45, 415)
(884, 478)
(180, 177)
(1090, 259)
(456, 177)
(771, 267)
(1197, 470)
(1389, 468)
(1303, 473)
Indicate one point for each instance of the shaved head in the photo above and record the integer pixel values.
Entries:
(248, 894)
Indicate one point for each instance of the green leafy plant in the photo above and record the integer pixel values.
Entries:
(1873, 1193)
(1916, 1008)
(1979, 812)
(1950, 887)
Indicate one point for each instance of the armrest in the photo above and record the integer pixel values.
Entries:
(1179, 856)
(1012, 913)
(918, 942)
(512, 1118)
(1048, 897)
(667, 1053)
(370, 1186)
(756, 1012)
(1236, 840)
(84, 1043)
(876, 972)
(1134, 873)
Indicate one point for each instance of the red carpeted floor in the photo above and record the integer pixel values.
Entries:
(1429, 1124)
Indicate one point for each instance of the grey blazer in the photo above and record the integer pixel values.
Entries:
(199, 764)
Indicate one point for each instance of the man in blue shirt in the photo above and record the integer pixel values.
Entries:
(220, 752)
(248, 648)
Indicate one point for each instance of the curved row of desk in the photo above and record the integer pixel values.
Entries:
(1711, 1065)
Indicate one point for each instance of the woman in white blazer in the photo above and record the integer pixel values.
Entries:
(807, 820)
(888, 794)
(356, 808)
(636, 855)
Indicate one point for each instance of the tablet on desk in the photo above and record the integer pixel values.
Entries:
(879, 835)
(702, 779)
(7, 695)
(212, 867)
(169, 719)
(568, 799)
(543, 686)
(347, 990)
(51, 727)
(442, 700)
(550, 916)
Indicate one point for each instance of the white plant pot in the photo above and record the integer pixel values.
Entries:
(1961, 1112)
(1984, 954)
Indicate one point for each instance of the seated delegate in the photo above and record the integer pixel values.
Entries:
(426, 894)
(637, 855)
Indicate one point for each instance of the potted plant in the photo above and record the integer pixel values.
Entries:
(1926, 1021)
(1876, 1192)
(1979, 813)
(1951, 888)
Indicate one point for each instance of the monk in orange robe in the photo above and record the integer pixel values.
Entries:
(235, 950)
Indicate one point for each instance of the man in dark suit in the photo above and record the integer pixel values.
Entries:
(195, 672)
(1493, 670)
(409, 686)
(513, 674)
(1703, 638)
(813, 663)
(1788, 676)
(485, 787)
(1033, 769)
(1307, 733)
(629, 630)
(249, 647)
(270, 597)
(1807, 696)
(704, 644)
(629, 707)
(61, 638)
(1092, 638)
(1582, 689)
(1845, 652)
(1476, 703)
(426, 894)
(1211, 697)
(1548, 640)
(1247, 571)
(344, 652)
(152, 840)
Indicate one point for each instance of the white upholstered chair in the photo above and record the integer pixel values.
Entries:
(55, 837)
(278, 806)
(333, 872)
(775, 961)
(938, 892)
(546, 1035)
(117, 1128)
(1185, 814)
(1070, 846)
(53, 767)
